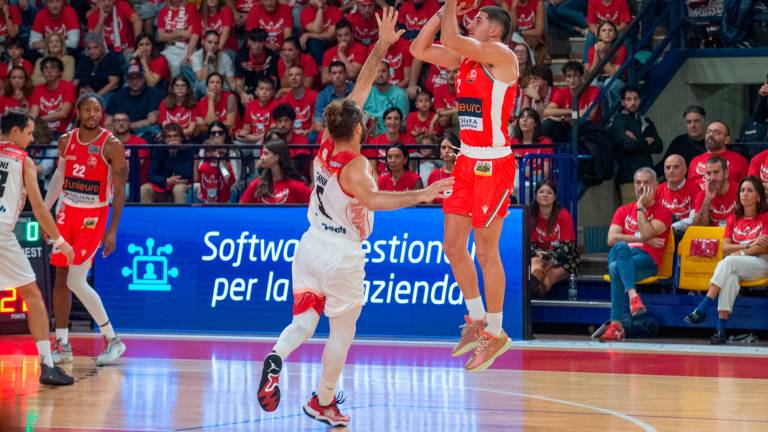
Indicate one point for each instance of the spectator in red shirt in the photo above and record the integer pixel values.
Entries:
(217, 16)
(528, 131)
(363, 22)
(301, 99)
(56, 17)
(423, 121)
(291, 55)
(606, 37)
(399, 59)
(717, 201)
(53, 100)
(318, 21)
(279, 182)
(118, 22)
(213, 175)
(258, 113)
(15, 51)
(179, 27)
(16, 90)
(179, 107)
(347, 51)
(10, 20)
(54, 47)
(154, 65)
(677, 194)
(275, 18)
(414, 14)
(538, 93)
(553, 241)
(528, 21)
(399, 176)
(253, 62)
(445, 100)
(393, 134)
(217, 104)
(716, 140)
(284, 118)
(615, 11)
(557, 115)
(121, 128)
(448, 148)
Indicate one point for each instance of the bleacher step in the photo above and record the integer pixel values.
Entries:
(572, 303)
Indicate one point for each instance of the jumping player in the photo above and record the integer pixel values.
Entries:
(91, 165)
(485, 169)
(18, 177)
(328, 266)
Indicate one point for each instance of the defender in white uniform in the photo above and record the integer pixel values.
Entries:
(18, 177)
(328, 266)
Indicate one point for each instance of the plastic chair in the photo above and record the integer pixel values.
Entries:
(695, 272)
(667, 264)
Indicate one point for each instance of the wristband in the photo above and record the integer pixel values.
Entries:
(59, 241)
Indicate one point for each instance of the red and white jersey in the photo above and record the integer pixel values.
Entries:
(87, 174)
(12, 192)
(331, 209)
(485, 106)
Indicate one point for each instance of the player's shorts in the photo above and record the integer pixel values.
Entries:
(83, 228)
(328, 274)
(482, 188)
(15, 270)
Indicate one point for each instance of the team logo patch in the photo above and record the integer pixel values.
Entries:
(93, 149)
(90, 223)
(484, 168)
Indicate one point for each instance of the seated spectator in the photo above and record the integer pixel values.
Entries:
(448, 148)
(615, 11)
(717, 138)
(15, 91)
(523, 54)
(118, 24)
(154, 65)
(218, 16)
(253, 62)
(528, 21)
(241, 9)
(218, 134)
(301, 99)
(139, 101)
(413, 15)
(347, 51)
(55, 17)
(15, 52)
(284, 119)
(423, 121)
(745, 245)
(383, 96)
(717, 201)
(363, 22)
(636, 139)
(11, 21)
(217, 104)
(206, 61)
(400, 60)
(53, 101)
(399, 176)
(180, 107)
(538, 92)
(291, 55)
(170, 169)
(606, 37)
(425, 161)
(45, 159)
(339, 87)
(279, 182)
(446, 104)
(99, 71)
(690, 144)
(54, 47)
(677, 194)
(637, 237)
(557, 115)
(318, 22)
(528, 131)
(553, 241)
(258, 113)
(275, 18)
(121, 128)
(568, 15)
(213, 175)
(179, 28)
(393, 134)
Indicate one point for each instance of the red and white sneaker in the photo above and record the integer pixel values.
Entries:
(636, 306)
(614, 333)
(269, 389)
(328, 414)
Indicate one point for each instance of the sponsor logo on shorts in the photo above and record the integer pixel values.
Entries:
(484, 168)
(90, 223)
(470, 113)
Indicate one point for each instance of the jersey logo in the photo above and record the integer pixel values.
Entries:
(484, 168)
(51, 105)
(764, 173)
(182, 118)
(525, 22)
(472, 76)
(470, 114)
(259, 120)
(679, 207)
(747, 233)
(415, 23)
(612, 17)
(273, 28)
(61, 29)
(215, 25)
(548, 237)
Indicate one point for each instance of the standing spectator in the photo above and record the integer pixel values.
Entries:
(445, 100)
(213, 175)
(54, 47)
(10, 21)
(170, 169)
(637, 138)
(301, 99)
(637, 237)
(717, 138)
(16, 90)
(179, 107)
(384, 95)
(56, 17)
(615, 11)
(528, 131)
(568, 15)
(538, 92)
(15, 51)
(117, 22)
(179, 28)
(363, 22)
(258, 113)
(338, 88)
(399, 176)
(553, 241)
(606, 36)
(53, 100)
(318, 21)
(139, 102)
(557, 122)
(690, 144)
(121, 128)
(206, 61)
(414, 14)
(279, 182)
(291, 55)
(217, 104)
(717, 201)
(399, 59)
(253, 62)
(284, 118)
(448, 147)
(99, 71)
(347, 51)
(275, 18)
(423, 121)
(528, 21)
(677, 194)
(154, 65)
(745, 246)
(217, 16)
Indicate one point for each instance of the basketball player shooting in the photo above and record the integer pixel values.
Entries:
(328, 267)
(485, 168)
(18, 178)
(91, 165)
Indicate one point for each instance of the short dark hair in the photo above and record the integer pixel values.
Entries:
(211, 32)
(498, 15)
(257, 35)
(283, 110)
(267, 80)
(213, 74)
(400, 146)
(391, 110)
(718, 160)
(696, 109)
(172, 127)
(343, 23)
(14, 118)
(294, 41)
(55, 61)
(341, 117)
(15, 42)
(543, 72)
(629, 88)
(90, 95)
(337, 63)
(573, 66)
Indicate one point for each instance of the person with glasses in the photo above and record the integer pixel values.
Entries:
(170, 169)
(179, 106)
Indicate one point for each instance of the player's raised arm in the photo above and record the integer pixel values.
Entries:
(423, 48)
(115, 153)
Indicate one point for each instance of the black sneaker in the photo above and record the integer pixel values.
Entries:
(269, 390)
(718, 339)
(54, 376)
(694, 317)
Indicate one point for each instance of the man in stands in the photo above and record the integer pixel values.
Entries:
(539, 91)
(121, 129)
(363, 23)
(385, 95)
(557, 122)
(677, 194)
(275, 18)
(57, 17)
(758, 167)
(141, 102)
(301, 99)
(717, 201)
(339, 88)
(53, 101)
(690, 144)
(258, 113)
(170, 171)
(717, 138)
(252, 63)
(347, 51)
(637, 237)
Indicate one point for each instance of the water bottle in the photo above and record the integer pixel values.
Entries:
(572, 291)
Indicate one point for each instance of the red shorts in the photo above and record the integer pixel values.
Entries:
(83, 228)
(482, 188)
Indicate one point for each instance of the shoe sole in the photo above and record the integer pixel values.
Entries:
(611, 340)
(465, 349)
(56, 383)
(275, 393)
(316, 415)
(640, 311)
(692, 322)
(64, 360)
(109, 362)
(489, 362)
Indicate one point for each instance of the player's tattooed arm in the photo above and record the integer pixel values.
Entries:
(115, 153)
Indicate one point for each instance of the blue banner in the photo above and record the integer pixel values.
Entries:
(228, 269)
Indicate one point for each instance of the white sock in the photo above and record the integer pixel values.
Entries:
(78, 284)
(62, 335)
(44, 350)
(298, 331)
(475, 308)
(107, 330)
(342, 332)
(494, 323)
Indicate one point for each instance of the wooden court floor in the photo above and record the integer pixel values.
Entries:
(167, 384)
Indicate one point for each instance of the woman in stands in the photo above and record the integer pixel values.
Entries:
(523, 54)
(399, 176)
(393, 134)
(279, 182)
(553, 241)
(745, 245)
(154, 65)
(606, 36)
(213, 175)
(54, 47)
(528, 131)
(15, 90)
(448, 148)
(179, 106)
(217, 104)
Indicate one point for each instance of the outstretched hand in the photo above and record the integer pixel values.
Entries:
(437, 189)
(387, 22)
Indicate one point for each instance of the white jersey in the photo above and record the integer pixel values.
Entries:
(13, 195)
(331, 209)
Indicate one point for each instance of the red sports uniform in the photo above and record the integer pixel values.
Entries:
(737, 167)
(180, 114)
(274, 23)
(304, 109)
(259, 116)
(758, 166)
(408, 181)
(121, 39)
(82, 217)
(485, 168)
(223, 18)
(50, 101)
(398, 58)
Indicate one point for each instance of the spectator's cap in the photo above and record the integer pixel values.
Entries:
(135, 70)
(257, 35)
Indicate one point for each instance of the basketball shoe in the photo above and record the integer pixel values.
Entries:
(54, 376)
(328, 414)
(62, 352)
(488, 348)
(113, 349)
(614, 333)
(269, 389)
(470, 333)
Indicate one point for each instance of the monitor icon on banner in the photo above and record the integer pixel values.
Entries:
(150, 272)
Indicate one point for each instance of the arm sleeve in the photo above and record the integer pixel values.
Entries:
(56, 186)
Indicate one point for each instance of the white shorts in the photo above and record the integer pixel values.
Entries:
(328, 274)
(15, 270)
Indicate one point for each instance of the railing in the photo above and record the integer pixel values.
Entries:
(560, 168)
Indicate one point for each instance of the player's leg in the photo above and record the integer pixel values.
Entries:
(62, 306)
